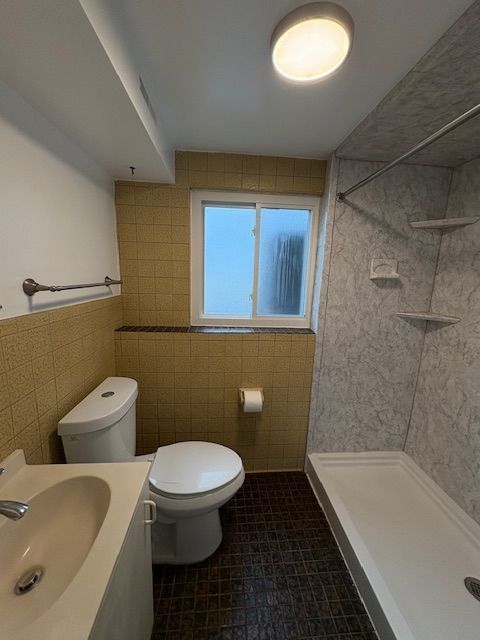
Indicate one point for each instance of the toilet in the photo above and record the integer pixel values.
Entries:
(189, 481)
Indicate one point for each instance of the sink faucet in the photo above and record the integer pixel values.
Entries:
(11, 508)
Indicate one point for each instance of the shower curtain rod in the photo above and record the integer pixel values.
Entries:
(468, 115)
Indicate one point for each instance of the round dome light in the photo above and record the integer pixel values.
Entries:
(312, 41)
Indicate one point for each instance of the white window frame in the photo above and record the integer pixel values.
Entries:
(260, 200)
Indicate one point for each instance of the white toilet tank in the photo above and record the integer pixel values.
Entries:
(101, 428)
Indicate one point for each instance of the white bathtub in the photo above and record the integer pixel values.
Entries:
(407, 544)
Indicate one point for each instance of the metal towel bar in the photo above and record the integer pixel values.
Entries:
(30, 287)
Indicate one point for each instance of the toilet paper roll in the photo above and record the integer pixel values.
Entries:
(252, 400)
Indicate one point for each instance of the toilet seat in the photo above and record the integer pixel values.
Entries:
(193, 469)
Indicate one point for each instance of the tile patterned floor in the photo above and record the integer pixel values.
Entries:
(278, 574)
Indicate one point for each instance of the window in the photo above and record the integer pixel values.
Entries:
(252, 259)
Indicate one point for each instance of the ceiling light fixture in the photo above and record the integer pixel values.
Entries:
(312, 41)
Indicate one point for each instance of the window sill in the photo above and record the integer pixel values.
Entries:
(210, 329)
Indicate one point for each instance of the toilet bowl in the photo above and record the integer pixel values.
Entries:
(189, 481)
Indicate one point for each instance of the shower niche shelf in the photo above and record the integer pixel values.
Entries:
(444, 223)
(428, 315)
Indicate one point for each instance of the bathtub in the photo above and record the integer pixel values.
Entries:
(408, 545)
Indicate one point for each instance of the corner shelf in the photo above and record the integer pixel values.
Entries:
(444, 223)
(427, 315)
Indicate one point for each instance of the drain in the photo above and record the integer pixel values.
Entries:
(28, 581)
(473, 587)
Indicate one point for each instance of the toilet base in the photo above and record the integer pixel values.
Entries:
(186, 540)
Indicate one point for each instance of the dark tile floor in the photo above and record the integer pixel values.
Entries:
(277, 575)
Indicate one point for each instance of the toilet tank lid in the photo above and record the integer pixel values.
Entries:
(102, 408)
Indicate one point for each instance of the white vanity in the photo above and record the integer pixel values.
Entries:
(77, 565)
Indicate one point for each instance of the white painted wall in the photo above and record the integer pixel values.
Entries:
(57, 213)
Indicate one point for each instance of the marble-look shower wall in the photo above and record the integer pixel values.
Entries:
(444, 435)
(367, 359)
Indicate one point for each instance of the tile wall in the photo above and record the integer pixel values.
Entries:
(188, 390)
(48, 362)
(188, 383)
(153, 225)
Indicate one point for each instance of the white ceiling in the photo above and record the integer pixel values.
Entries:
(213, 83)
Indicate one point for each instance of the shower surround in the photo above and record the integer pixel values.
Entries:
(367, 359)
(444, 433)
(383, 383)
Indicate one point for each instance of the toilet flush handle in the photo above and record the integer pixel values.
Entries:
(153, 511)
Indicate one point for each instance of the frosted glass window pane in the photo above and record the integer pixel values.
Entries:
(283, 256)
(229, 255)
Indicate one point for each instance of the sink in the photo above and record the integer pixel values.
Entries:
(54, 536)
(57, 562)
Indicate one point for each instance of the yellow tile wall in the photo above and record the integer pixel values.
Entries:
(188, 383)
(153, 225)
(48, 362)
(268, 174)
(188, 390)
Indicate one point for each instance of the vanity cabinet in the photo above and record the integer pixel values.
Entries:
(126, 612)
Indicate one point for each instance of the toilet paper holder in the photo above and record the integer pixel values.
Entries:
(242, 391)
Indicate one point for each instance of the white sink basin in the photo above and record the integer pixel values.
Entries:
(55, 537)
(73, 532)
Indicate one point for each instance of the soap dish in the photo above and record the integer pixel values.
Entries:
(383, 269)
